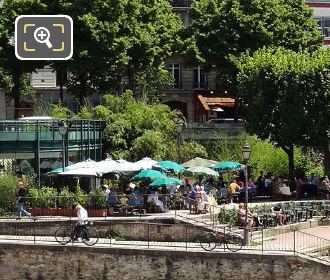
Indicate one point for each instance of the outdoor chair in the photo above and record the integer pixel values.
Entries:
(222, 196)
(299, 212)
(124, 207)
(268, 220)
(193, 206)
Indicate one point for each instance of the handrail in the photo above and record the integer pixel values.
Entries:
(312, 246)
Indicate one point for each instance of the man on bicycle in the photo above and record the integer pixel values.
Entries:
(80, 227)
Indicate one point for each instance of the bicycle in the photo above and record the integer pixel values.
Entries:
(210, 240)
(86, 234)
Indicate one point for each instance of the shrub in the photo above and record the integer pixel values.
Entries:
(8, 191)
(228, 216)
(97, 199)
(80, 196)
(42, 198)
(66, 198)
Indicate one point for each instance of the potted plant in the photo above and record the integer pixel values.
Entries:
(42, 201)
(65, 201)
(97, 203)
(80, 196)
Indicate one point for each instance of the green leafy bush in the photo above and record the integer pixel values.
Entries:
(8, 191)
(228, 216)
(59, 111)
(42, 197)
(80, 196)
(96, 199)
(66, 198)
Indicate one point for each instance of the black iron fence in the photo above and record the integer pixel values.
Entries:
(167, 236)
(142, 204)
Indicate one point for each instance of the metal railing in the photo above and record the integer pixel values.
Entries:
(312, 246)
(167, 236)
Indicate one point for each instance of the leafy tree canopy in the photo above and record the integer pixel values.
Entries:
(222, 28)
(132, 121)
(5, 80)
(286, 96)
(114, 40)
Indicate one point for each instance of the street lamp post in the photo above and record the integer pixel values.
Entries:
(179, 128)
(246, 151)
(63, 129)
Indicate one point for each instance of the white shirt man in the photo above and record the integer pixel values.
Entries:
(82, 215)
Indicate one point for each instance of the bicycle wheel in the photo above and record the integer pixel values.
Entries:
(89, 236)
(63, 235)
(208, 241)
(234, 243)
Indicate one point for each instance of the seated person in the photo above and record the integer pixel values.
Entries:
(325, 187)
(285, 189)
(204, 204)
(153, 199)
(313, 180)
(233, 188)
(278, 213)
(252, 188)
(245, 219)
(112, 200)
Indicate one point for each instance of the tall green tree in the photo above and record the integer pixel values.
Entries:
(133, 123)
(15, 68)
(221, 29)
(286, 97)
(120, 44)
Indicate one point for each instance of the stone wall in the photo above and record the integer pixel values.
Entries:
(18, 261)
(153, 230)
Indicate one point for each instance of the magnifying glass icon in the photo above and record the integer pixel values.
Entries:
(41, 35)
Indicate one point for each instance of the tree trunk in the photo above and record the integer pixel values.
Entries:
(291, 162)
(326, 161)
(16, 94)
(290, 152)
(82, 90)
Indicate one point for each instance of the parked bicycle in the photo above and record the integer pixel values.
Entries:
(85, 233)
(210, 240)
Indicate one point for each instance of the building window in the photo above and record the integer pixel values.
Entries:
(199, 78)
(324, 26)
(174, 69)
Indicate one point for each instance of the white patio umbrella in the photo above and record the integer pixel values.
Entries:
(145, 163)
(202, 171)
(106, 166)
(84, 164)
(82, 171)
(126, 167)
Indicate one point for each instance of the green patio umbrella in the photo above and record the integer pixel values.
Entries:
(227, 166)
(202, 171)
(171, 166)
(167, 181)
(58, 170)
(197, 161)
(148, 174)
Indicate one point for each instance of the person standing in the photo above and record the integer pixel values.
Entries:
(261, 184)
(20, 211)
